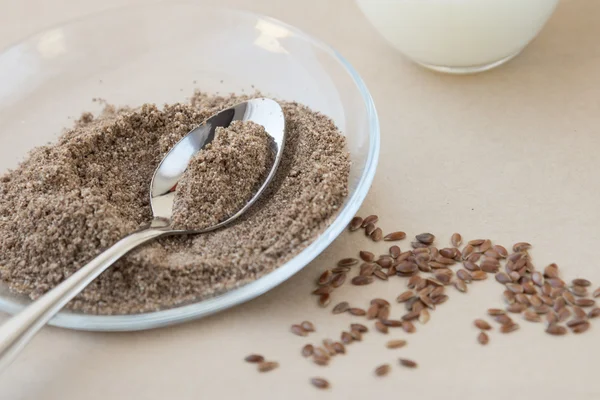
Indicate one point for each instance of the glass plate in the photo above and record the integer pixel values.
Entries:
(160, 53)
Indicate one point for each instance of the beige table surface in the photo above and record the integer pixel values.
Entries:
(511, 155)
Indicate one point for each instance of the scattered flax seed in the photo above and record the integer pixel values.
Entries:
(456, 239)
(254, 358)
(347, 262)
(308, 350)
(408, 363)
(377, 235)
(324, 300)
(551, 271)
(464, 275)
(485, 246)
(369, 229)
(424, 316)
(355, 224)
(521, 246)
(503, 319)
(371, 219)
(563, 314)
(359, 327)
(460, 285)
(339, 348)
(367, 256)
(382, 370)
(381, 327)
(319, 383)
(373, 311)
(585, 302)
(346, 338)
(481, 324)
(380, 275)
(508, 328)
(496, 311)
(478, 275)
(551, 317)
(394, 236)
(338, 270)
(483, 338)
(308, 326)
(395, 344)
(338, 280)
(356, 335)
(328, 344)
(476, 242)
(579, 312)
(341, 307)
(580, 328)
(408, 327)
(425, 238)
(596, 293)
(384, 313)
(581, 282)
(323, 290)
(298, 330)
(320, 360)
(325, 278)
(380, 302)
(532, 316)
(359, 312)
(393, 323)
(395, 251)
(362, 280)
(385, 262)
(594, 313)
(500, 250)
(267, 366)
(503, 278)
(405, 296)
(537, 278)
(558, 330)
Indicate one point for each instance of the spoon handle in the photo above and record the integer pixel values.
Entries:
(18, 331)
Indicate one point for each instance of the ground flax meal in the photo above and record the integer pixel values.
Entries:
(68, 201)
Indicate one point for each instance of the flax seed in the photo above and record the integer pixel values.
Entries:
(254, 358)
(355, 224)
(381, 327)
(456, 239)
(359, 312)
(362, 280)
(408, 363)
(371, 219)
(267, 366)
(483, 338)
(338, 280)
(308, 350)
(319, 383)
(308, 326)
(366, 256)
(377, 235)
(557, 330)
(482, 325)
(394, 236)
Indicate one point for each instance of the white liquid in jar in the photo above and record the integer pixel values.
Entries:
(458, 33)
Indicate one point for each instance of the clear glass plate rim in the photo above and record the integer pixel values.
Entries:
(254, 289)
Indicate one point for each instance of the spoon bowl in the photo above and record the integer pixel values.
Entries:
(163, 188)
(18, 331)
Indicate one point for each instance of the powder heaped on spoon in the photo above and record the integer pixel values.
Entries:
(223, 176)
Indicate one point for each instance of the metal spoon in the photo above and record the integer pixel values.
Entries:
(16, 332)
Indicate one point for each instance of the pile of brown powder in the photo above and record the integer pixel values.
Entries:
(223, 176)
(69, 201)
